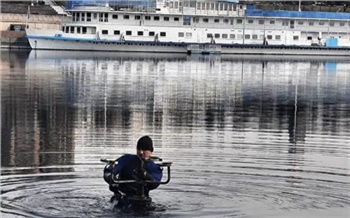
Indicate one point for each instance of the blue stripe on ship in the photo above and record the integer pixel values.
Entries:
(60, 38)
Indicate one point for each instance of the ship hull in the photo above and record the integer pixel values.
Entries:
(52, 40)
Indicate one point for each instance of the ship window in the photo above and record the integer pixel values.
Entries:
(272, 22)
(188, 35)
(261, 21)
(341, 24)
(156, 18)
(198, 5)
(116, 32)
(78, 30)
(309, 38)
(216, 20)
(247, 36)
(176, 19)
(95, 15)
(166, 19)
(232, 36)
(239, 36)
(192, 4)
(226, 20)
(181, 34)
(101, 17)
(137, 17)
(331, 23)
(269, 36)
(195, 19)
(71, 29)
(209, 35)
(205, 20)
(285, 23)
(76, 16)
(67, 29)
(311, 23)
(151, 33)
(187, 20)
(84, 30)
(224, 36)
(162, 33)
(176, 4)
(88, 16)
(115, 16)
(217, 35)
(250, 21)
(147, 17)
(203, 6)
(82, 16)
(278, 37)
(140, 33)
(300, 23)
(106, 17)
(239, 21)
(321, 23)
(126, 17)
(128, 32)
(255, 36)
(104, 32)
(295, 37)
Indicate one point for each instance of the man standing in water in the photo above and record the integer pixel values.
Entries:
(137, 167)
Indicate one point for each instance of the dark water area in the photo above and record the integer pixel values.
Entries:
(249, 136)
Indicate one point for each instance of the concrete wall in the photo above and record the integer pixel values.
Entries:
(35, 21)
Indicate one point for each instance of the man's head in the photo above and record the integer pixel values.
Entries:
(144, 147)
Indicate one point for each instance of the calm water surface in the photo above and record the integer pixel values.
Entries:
(248, 136)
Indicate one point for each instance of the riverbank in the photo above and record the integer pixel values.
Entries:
(14, 18)
(14, 40)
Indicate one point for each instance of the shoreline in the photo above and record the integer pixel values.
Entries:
(15, 47)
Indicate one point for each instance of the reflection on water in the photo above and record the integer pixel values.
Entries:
(244, 132)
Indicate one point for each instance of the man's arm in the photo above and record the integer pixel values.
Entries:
(156, 172)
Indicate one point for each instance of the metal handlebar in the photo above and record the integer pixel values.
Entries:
(108, 161)
(156, 160)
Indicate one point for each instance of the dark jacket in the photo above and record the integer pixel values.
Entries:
(130, 167)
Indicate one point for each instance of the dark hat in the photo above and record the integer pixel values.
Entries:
(145, 143)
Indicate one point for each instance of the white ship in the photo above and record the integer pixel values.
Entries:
(206, 27)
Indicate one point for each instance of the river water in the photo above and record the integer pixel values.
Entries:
(249, 136)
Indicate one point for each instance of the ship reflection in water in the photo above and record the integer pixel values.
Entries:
(249, 136)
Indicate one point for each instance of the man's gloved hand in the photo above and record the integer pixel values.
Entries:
(140, 174)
